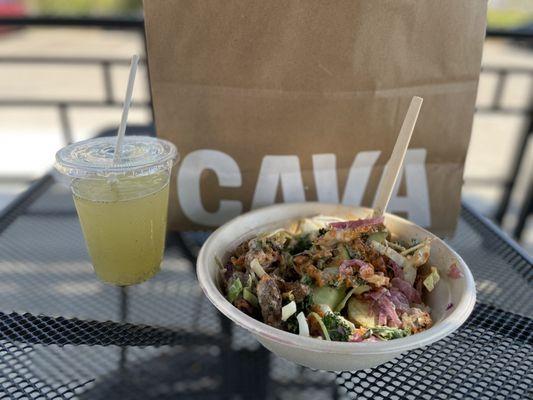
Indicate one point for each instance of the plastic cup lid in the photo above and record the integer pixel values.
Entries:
(93, 158)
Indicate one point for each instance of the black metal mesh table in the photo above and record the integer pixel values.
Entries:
(65, 335)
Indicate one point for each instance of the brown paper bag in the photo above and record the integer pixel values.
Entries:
(292, 101)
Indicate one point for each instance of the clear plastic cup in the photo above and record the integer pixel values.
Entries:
(122, 206)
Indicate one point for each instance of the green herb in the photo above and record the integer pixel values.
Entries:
(292, 324)
(387, 333)
(334, 283)
(303, 242)
(354, 253)
(306, 304)
(306, 280)
(338, 329)
(234, 290)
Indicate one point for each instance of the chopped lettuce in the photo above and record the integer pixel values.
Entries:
(234, 290)
(432, 279)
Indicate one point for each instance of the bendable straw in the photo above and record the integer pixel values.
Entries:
(125, 109)
(394, 165)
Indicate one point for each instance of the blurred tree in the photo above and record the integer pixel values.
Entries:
(506, 14)
(83, 6)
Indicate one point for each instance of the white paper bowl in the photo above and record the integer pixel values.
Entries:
(326, 355)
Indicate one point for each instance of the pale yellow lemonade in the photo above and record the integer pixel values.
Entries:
(124, 224)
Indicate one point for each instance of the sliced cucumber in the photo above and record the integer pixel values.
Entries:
(359, 313)
(328, 295)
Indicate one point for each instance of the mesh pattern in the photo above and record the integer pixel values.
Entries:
(58, 265)
(19, 379)
(503, 277)
(86, 337)
(166, 372)
(62, 331)
(65, 335)
(491, 357)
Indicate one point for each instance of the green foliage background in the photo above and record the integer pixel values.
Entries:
(87, 7)
(502, 14)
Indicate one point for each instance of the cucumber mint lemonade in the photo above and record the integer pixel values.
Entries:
(122, 208)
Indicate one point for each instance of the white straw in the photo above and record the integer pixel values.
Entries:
(126, 108)
(394, 165)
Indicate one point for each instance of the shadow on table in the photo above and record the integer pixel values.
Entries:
(209, 372)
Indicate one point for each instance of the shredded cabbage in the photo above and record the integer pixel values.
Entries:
(309, 225)
(387, 251)
(409, 271)
(257, 268)
(303, 328)
(288, 310)
(432, 279)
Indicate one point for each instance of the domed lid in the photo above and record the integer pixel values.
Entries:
(93, 158)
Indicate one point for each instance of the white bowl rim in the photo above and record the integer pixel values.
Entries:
(447, 325)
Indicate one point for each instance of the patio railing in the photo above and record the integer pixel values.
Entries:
(109, 99)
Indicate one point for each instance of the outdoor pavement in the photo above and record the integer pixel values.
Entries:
(29, 137)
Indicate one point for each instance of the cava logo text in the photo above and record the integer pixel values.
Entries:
(285, 170)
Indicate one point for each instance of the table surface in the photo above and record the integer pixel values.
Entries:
(63, 334)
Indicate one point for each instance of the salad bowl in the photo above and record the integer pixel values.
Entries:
(451, 302)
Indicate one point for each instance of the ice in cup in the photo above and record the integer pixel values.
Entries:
(122, 206)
